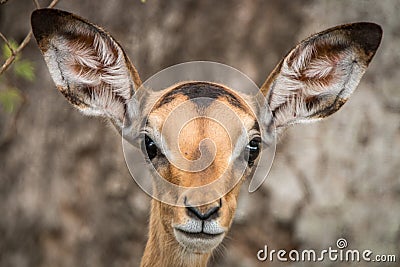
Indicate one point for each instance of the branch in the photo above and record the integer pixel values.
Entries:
(36, 4)
(7, 43)
(14, 53)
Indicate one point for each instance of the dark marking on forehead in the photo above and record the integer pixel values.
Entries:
(256, 126)
(193, 90)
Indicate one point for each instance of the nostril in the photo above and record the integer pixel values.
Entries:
(202, 216)
(195, 212)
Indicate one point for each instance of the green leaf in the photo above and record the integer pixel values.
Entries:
(6, 50)
(10, 99)
(24, 69)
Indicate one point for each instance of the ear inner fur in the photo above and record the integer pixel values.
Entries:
(318, 76)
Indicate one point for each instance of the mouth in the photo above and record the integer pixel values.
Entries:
(198, 242)
(199, 235)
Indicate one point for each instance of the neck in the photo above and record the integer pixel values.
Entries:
(162, 249)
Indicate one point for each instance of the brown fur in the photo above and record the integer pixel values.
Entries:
(306, 85)
(162, 216)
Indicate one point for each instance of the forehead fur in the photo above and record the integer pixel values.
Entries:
(212, 95)
(193, 90)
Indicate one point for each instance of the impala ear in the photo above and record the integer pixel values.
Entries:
(87, 65)
(318, 76)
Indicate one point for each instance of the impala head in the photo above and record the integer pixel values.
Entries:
(200, 136)
(193, 120)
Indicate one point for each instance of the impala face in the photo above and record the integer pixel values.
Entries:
(193, 120)
(196, 134)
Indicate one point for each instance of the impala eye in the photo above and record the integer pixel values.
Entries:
(253, 149)
(151, 147)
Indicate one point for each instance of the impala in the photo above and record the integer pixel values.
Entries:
(95, 75)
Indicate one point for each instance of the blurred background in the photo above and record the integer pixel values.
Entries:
(66, 196)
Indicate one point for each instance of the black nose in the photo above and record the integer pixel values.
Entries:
(197, 212)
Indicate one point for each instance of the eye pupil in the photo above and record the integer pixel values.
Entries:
(254, 150)
(151, 147)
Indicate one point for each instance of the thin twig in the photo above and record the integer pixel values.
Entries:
(7, 43)
(52, 4)
(36, 4)
(11, 59)
(14, 55)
